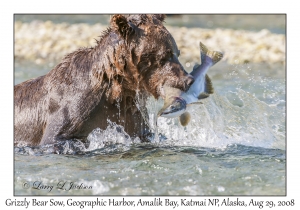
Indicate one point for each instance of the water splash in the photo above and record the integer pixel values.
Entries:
(112, 139)
(218, 123)
(69, 147)
(114, 134)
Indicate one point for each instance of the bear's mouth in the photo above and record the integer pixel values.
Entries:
(160, 91)
(176, 85)
(165, 91)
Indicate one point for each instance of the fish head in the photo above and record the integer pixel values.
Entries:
(173, 107)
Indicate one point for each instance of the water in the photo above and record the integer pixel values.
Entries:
(157, 170)
(234, 145)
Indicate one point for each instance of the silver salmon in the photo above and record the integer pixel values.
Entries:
(176, 101)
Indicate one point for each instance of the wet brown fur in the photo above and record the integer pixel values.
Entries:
(92, 85)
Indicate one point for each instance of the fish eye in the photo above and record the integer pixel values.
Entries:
(172, 106)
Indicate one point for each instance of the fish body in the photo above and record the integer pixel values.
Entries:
(177, 101)
(202, 86)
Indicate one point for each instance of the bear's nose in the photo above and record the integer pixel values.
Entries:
(189, 80)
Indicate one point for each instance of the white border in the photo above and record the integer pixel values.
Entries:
(118, 6)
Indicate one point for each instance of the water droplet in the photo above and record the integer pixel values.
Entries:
(221, 189)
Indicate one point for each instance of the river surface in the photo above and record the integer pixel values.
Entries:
(234, 145)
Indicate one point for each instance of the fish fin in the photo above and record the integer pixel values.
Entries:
(208, 85)
(185, 118)
(216, 56)
(203, 95)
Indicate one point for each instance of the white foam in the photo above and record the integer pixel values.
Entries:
(218, 123)
(113, 134)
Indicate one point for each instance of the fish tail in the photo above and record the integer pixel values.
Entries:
(216, 56)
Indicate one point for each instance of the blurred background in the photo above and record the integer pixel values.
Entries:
(41, 41)
(253, 22)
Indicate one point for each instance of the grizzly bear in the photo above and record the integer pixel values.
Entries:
(135, 56)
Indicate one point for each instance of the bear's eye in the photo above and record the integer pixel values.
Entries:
(164, 60)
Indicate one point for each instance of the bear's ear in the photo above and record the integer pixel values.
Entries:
(160, 17)
(120, 24)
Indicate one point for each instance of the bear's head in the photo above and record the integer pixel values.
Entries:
(148, 54)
